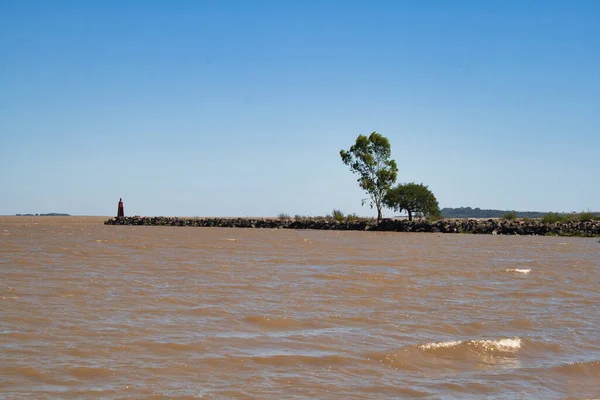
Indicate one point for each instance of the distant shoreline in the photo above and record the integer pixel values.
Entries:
(43, 215)
(474, 226)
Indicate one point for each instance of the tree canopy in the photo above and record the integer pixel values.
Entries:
(413, 198)
(369, 158)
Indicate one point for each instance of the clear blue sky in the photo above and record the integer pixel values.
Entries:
(241, 107)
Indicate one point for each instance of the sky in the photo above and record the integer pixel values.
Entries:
(240, 108)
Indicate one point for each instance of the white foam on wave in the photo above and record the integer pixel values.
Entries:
(505, 345)
(523, 271)
(508, 345)
(439, 345)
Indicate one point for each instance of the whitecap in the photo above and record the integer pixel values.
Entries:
(523, 271)
(508, 345)
(439, 345)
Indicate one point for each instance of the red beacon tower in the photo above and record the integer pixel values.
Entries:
(120, 212)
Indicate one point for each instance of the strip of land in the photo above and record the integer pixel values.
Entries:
(476, 226)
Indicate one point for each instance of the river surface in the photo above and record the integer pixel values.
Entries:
(89, 311)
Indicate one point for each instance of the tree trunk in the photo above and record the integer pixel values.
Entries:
(379, 214)
(409, 215)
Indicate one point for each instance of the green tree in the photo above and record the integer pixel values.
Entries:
(412, 198)
(369, 157)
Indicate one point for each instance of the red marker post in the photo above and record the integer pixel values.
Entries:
(120, 212)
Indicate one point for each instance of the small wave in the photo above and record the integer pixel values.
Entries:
(377, 277)
(302, 359)
(522, 323)
(321, 276)
(167, 348)
(90, 372)
(589, 369)
(178, 301)
(523, 271)
(205, 311)
(444, 354)
(278, 323)
(16, 335)
(30, 373)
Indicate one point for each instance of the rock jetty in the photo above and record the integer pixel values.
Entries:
(476, 226)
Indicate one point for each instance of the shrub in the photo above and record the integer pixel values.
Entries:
(586, 216)
(435, 217)
(352, 217)
(510, 215)
(551, 218)
(283, 216)
(338, 215)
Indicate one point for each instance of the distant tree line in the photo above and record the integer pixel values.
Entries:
(468, 212)
(43, 215)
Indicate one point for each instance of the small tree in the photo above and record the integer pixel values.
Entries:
(412, 198)
(369, 157)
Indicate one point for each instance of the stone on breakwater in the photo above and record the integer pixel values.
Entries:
(490, 226)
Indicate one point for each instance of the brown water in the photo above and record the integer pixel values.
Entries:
(93, 311)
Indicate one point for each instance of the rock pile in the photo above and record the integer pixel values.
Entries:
(490, 226)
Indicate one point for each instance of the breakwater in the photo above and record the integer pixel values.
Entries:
(489, 226)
